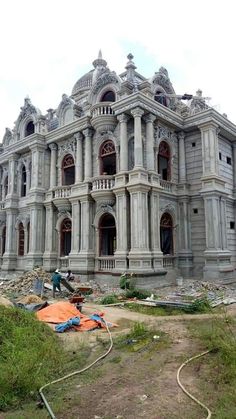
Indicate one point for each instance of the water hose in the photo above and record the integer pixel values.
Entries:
(186, 391)
(74, 373)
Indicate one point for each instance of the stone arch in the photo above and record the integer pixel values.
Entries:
(65, 110)
(104, 209)
(107, 81)
(106, 233)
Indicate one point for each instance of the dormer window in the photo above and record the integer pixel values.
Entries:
(160, 97)
(29, 128)
(108, 96)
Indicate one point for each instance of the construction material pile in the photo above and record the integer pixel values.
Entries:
(25, 283)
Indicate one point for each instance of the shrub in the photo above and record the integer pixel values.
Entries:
(109, 299)
(137, 293)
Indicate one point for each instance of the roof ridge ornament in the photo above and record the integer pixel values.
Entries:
(130, 67)
(99, 62)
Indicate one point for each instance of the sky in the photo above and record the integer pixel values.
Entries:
(46, 46)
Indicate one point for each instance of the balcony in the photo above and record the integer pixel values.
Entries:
(167, 186)
(103, 116)
(102, 189)
(60, 197)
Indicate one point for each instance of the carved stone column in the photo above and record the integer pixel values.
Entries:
(210, 149)
(37, 236)
(53, 165)
(38, 160)
(28, 175)
(155, 229)
(123, 118)
(182, 162)
(138, 143)
(88, 153)
(185, 256)
(10, 255)
(12, 179)
(79, 158)
(121, 228)
(149, 119)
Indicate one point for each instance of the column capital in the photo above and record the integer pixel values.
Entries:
(122, 117)
(137, 112)
(52, 146)
(150, 117)
(181, 135)
(88, 132)
(78, 136)
(14, 157)
(208, 125)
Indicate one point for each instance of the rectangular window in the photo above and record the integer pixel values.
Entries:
(232, 225)
(228, 159)
(193, 144)
(195, 210)
(220, 156)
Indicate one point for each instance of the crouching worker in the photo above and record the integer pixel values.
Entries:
(70, 276)
(56, 282)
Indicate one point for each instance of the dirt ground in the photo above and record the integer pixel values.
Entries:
(141, 385)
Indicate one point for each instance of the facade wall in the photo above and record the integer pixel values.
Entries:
(168, 208)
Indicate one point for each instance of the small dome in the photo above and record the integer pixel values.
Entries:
(83, 83)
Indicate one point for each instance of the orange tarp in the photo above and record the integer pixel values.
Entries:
(62, 311)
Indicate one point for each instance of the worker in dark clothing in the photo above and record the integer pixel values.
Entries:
(56, 282)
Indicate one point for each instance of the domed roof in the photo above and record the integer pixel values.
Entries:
(85, 82)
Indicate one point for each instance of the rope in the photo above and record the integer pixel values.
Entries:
(74, 373)
(186, 391)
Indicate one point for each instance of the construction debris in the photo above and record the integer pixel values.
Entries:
(24, 283)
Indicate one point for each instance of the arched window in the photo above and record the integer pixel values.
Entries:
(29, 129)
(166, 234)
(68, 170)
(131, 154)
(160, 97)
(107, 158)
(21, 240)
(107, 235)
(65, 237)
(23, 181)
(108, 96)
(5, 186)
(28, 236)
(164, 167)
(3, 240)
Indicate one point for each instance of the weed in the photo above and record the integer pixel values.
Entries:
(136, 293)
(109, 299)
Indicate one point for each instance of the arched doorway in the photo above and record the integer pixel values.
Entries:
(68, 170)
(164, 167)
(107, 235)
(29, 129)
(108, 158)
(65, 237)
(166, 234)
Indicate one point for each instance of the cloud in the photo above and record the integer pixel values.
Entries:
(45, 49)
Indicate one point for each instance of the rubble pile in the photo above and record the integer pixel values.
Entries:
(24, 283)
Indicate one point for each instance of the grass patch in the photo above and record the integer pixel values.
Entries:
(140, 337)
(219, 370)
(201, 306)
(31, 354)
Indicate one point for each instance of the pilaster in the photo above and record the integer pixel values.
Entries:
(123, 118)
(182, 162)
(79, 158)
(10, 255)
(149, 119)
(50, 252)
(122, 216)
(88, 153)
(53, 165)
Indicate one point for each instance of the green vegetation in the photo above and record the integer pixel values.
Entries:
(141, 337)
(201, 306)
(109, 299)
(31, 354)
(140, 294)
(218, 371)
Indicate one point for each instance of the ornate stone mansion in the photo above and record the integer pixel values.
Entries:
(125, 175)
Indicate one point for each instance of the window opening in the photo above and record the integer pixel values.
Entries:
(23, 181)
(3, 240)
(21, 243)
(29, 128)
(108, 96)
(108, 158)
(160, 97)
(164, 161)
(68, 170)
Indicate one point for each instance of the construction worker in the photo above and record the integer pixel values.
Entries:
(56, 282)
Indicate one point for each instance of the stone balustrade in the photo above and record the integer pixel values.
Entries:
(168, 261)
(61, 192)
(103, 183)
(168, 186)
(106, 263)
(103, 108)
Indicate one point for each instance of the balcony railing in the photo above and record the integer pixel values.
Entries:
(168, 261)
(61, 192)
(103, 108)
(106, 263)
(103, 183)
(168, 186)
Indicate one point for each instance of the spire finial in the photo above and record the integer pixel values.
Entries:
(99, 62)
(130, 67)
(100, 54)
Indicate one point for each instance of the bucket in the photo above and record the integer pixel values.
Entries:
(179, 281)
